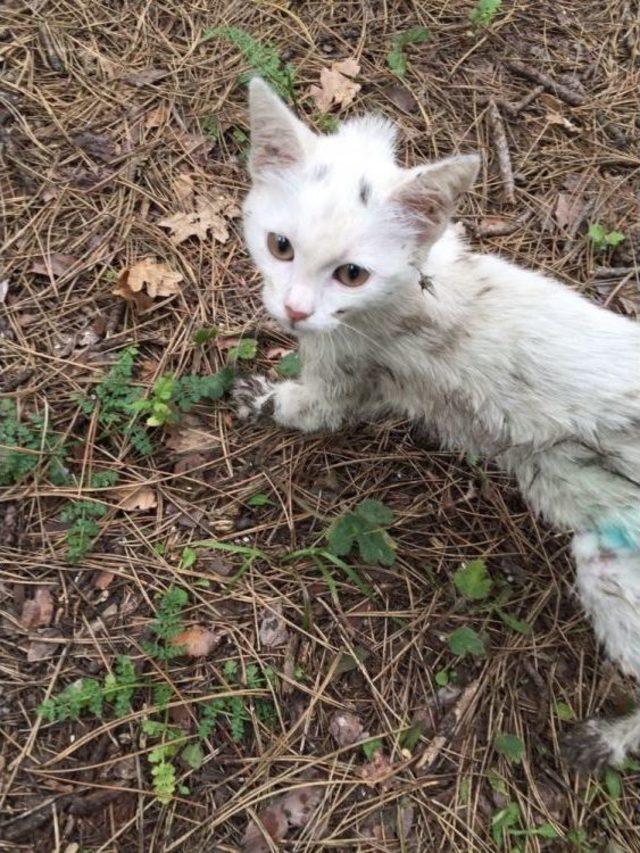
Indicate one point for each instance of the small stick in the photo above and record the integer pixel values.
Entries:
(53, 59)
(449, 725)
(561, 91)
(502, 147)
(615, 272)
(502, 228)
(514, 108)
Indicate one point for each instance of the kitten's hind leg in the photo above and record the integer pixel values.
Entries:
(608, 583)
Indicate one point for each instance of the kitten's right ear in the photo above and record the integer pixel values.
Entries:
(278, 139)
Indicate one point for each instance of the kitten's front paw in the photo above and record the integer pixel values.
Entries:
(588, 749)
(253, 396)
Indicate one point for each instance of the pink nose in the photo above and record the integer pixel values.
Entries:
(294, 315)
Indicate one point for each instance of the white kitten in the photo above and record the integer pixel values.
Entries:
(395, 313)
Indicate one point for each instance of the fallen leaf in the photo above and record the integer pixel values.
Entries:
(278, 352)
(97, 146)
(38, 650)
(188, 462)
(198, 641)
(209, 215)
(568, 209)
(554, 117)
(401, 97)
(156, 278)
(182, 186)
(56, 264)
(292, 810)
(37, 611)
(346, 728)
(377, 770)
(190, 439)
(143, 78)
(157, 117)
(273, 629)
(101, 580)
(336, 87)
(142, 498)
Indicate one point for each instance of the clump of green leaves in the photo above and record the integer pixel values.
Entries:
(327, 123)
(289, 366)
(365, 527)
(510, 746)
(171, 396)
(245, 350)
(163, 771)
(396, 58)
(167, 624)
(23, 444)
(210, 127)
(465, 641)
(602, 239)
(88, 695)
(472, 580)
(484, 12)
(82, 516)
(264, 59)
(507, 822)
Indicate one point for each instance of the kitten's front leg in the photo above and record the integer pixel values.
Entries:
(293, 403)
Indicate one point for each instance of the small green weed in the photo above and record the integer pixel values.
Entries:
(264, 59)
(507, 822)
(510, 746)
(23, 445)
(87, 694)
(484, 12)
(289, 366)
(465, 641)
(171, 396)
(204, 335)
(327, 123)
(396, 59)
(603, 239)
(82, 516)
(167, 624)
(472, 580)
(366, 527)
(210, 127)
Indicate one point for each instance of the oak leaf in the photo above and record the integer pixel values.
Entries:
(336, 85)
(210, 215)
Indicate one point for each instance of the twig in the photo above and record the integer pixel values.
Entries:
(514, 108)
(449, 725)
(615, 272)
(502, 147)
(502, 228)
(561, 91)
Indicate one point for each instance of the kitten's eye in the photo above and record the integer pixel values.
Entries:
(280, 247)
(351, 274)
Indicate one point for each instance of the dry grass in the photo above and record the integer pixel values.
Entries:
(67, 69)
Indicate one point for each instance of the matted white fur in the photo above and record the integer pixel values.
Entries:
(497, 359)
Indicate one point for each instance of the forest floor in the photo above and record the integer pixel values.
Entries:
(192, 689)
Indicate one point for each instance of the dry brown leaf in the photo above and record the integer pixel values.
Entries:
(336, 85)
(157, 117)
(38, 650)
(143, 78)
(56, 264)
(142, 498)
(273, 628)
(188, 462)
(156, 278)
(292, 810)
(554, 117)
(346, 728)
(101, 580)
(187, 440)
(209, 215)
(182, 186)
(401, 97)
(198, 641)
(377, 770)
(37, 611)
(568, 209)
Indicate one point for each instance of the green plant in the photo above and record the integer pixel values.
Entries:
(506, 822)
(245, 349)
(163, 771)
(366, 528)
(484, 12)
(472, 580)
(259, 500)
(289, 366)
(263, 59)
(328, 123)
(371, 746)
(464, 641)
(603, 239)
(204, 335)
(171, 396)
(168, 624)
(510, 746)
(82, 517)
(23, 445)
(396, 59)
(210, 127)
(87, 694)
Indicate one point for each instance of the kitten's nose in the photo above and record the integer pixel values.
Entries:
(295, 315)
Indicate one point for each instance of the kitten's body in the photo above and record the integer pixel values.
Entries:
(496, 359)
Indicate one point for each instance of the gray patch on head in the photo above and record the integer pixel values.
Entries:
(364, 191)
(320, 172)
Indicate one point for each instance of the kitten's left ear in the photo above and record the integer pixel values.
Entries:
(278, 139)
(429, 195)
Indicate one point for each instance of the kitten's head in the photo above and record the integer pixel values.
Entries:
(334, 225)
